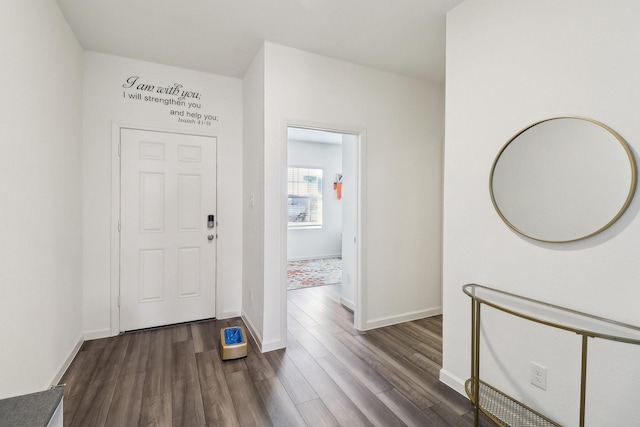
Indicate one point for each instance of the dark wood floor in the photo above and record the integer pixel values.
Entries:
(329, 375)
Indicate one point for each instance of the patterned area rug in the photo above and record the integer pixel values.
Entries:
(314, 272)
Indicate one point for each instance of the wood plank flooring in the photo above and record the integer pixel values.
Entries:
(329, 375)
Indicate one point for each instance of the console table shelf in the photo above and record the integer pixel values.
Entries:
(504, 410)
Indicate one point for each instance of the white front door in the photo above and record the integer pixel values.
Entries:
(167, 245)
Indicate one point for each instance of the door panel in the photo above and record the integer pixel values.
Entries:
(151, 281)
(189, 209)
(189, 272)
(167, 265)
(151, 202)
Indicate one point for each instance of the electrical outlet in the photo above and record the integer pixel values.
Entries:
(538, 375)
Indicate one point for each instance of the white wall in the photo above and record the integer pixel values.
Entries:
(106, 102)
(253, 192)
(325, 242)
(510, 64)
(349, 219)
(40, 175)
(402, 119)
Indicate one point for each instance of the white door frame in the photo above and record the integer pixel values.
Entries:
(359, 316)
(115, 214)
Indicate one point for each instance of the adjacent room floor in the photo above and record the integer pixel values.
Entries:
(329, 375)
(313, 272)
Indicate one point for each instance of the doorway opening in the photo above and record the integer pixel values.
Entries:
(322, 212)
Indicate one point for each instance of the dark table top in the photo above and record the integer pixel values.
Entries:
(30, 410)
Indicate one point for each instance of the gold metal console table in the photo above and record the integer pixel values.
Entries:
(497, 406)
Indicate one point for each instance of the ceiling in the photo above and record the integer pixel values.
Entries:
(223, 36)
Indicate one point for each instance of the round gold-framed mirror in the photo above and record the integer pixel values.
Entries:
(563, 179)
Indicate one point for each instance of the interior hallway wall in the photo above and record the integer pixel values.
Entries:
(253, 245)
(108, 99)
(40, 193)
(510, 64)
(349, 219)
(402, 118)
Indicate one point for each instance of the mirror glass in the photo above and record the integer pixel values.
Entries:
(563, 179)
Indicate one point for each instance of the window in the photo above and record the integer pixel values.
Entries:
(304, 204)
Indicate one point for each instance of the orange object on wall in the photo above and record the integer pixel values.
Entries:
(338, 187)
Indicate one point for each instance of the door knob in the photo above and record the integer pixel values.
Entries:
(210, 237)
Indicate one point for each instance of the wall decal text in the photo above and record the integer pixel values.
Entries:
(172, 95)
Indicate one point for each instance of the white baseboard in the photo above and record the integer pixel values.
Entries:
(452, 382)
(252, 329)
(406, 317)
(305, 258)
(273, 345)
(348, 304)
(99, 333)
(262, 345)
(229, 314)
(67, 362)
